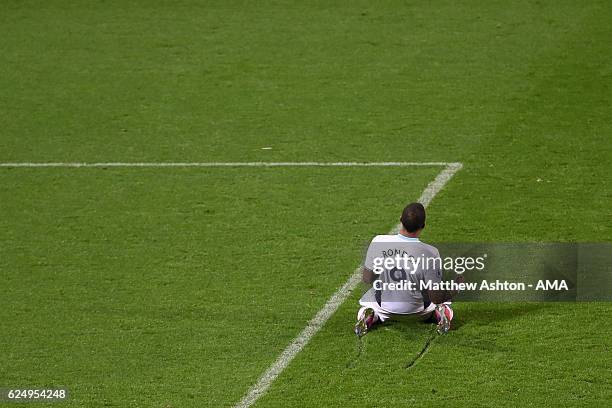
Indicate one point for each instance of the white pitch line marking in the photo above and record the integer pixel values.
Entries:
(231, 164)
(334, 302)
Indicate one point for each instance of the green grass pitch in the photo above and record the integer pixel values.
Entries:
(178, 287)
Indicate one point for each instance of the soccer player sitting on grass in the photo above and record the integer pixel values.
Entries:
(397, 290)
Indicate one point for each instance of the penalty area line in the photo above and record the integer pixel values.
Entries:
(334, 302)
(229, 164)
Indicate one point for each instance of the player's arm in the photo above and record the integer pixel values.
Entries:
(367, 276)
(441, 296)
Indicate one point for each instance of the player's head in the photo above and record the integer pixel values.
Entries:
(413, 217)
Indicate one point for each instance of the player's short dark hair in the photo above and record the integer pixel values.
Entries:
(413, 217)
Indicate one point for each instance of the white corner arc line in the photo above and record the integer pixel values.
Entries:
(229, 164)
(334, 302)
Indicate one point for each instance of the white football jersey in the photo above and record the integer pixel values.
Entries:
(410, 298)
